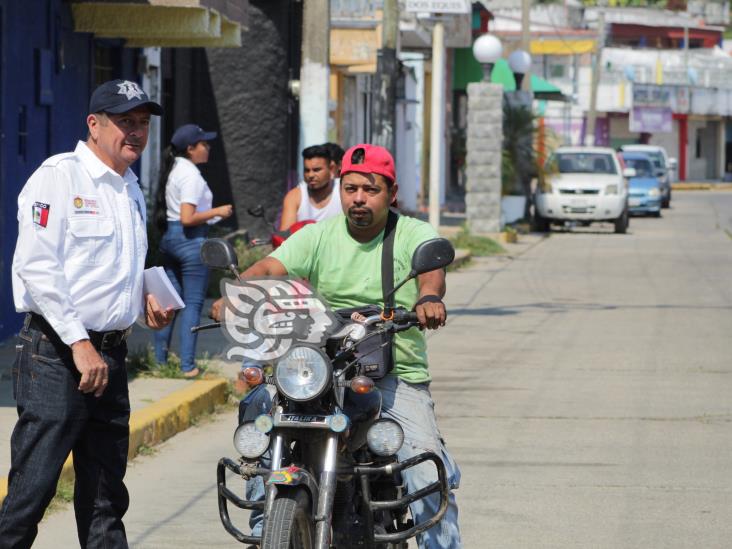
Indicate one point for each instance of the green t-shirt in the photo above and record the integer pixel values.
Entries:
(347, 273)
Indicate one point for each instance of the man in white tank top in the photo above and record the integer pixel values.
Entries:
(317, 197)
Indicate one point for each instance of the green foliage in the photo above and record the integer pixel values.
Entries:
(64, 495)
(247, 257)
(478, 245)
(519, 158)
(142, 363)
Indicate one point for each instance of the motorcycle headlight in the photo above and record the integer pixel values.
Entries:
(303, 373)
(654, 192)
(249, 441)
(385, 437)
(611, 189)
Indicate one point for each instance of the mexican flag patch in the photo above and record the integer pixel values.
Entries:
(40, 213)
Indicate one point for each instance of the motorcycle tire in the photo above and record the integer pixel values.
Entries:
(290, 526)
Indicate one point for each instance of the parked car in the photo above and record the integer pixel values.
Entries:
(644, 190)
(584, 184)
(664, 166)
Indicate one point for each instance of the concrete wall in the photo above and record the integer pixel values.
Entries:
(243, 94)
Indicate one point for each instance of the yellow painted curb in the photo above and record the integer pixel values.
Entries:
(160, 421)
(691, 186)
(462, 256)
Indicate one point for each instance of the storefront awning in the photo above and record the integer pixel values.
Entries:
(542, 89)
(163, 23)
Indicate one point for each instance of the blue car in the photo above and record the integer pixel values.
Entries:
(644, 192)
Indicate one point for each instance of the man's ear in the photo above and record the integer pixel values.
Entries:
(393, 191)
(92, 122)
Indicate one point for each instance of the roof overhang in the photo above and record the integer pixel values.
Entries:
(163, 23)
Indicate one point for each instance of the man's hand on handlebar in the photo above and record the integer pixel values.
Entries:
(217, 309)
(431, 315)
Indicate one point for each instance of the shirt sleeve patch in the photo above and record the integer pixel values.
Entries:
(40, 213)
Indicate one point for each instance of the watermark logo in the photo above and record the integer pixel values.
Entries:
(264, 318)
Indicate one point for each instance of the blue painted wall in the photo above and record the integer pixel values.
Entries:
(47, 72)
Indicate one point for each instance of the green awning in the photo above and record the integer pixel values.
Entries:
(468, 70)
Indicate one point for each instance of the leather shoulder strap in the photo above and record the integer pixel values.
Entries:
(387, 258)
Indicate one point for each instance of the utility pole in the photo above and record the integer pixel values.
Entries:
(314, 72)
(596, 73)
(526, 39)
(437, 120)
(383, 111)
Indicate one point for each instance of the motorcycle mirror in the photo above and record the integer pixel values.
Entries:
(256, 211)
(432, 255)
(429, 256)
(218, 253)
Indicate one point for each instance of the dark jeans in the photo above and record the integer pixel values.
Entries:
(181, 247)
(54, 418)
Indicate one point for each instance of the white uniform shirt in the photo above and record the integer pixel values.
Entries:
(186, 184)
(307, 211)
(81, 246)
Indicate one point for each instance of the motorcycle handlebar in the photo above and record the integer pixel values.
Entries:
(205, 327)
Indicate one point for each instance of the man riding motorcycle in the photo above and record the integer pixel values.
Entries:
(341, 257)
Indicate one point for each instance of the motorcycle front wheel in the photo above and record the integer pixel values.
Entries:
(290, 525)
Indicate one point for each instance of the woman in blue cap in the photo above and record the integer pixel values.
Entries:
(183, 213)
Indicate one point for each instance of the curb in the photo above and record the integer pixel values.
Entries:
(701, 186)
(162, 420)
(462, 256)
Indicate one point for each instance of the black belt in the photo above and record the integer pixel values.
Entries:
(101, 340)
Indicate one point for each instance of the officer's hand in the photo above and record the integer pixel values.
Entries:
(431, 315)
(155, 316)
(217, 309)
(94, 371)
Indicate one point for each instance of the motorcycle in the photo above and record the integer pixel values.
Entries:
(326, 456)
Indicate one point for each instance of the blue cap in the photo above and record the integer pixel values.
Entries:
(190, 134)
(118, 96)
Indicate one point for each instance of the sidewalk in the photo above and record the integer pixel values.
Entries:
(160, 408)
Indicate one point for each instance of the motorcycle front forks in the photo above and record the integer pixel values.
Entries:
(326, 488)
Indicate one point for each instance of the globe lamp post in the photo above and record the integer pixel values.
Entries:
(487, 49)
(520, 62)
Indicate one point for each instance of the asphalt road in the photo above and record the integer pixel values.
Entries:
(583, 386)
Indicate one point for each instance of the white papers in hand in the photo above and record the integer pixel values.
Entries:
(157, 283)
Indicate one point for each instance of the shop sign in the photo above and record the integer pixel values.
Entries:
(651, 119)
(439, 6)
(648, 95)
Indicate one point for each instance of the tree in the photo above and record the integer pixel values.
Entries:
(519, 158)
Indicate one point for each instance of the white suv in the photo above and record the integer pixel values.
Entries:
(584, 184)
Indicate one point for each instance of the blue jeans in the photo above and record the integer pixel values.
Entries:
(412, 407)
(181, 248)
(54, 418)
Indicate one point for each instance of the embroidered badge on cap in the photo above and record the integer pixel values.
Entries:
(40, 213)
(130, 90)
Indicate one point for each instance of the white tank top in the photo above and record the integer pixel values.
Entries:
(331, 209)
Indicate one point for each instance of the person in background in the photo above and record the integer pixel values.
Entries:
(314, 198)
(183, 213)
(336, 155)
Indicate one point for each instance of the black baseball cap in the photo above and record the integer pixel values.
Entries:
(118, 96)
(190, 134)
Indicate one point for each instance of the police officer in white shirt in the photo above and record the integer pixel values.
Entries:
(77, 272)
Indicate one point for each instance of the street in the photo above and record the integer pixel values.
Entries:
(583, 387)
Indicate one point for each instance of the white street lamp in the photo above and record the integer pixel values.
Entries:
(520, 63)
(487, 49)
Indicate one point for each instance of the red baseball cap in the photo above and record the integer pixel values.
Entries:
(375, 160)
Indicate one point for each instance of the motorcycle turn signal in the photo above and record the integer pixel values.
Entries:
(252, 375)
(362, 385)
